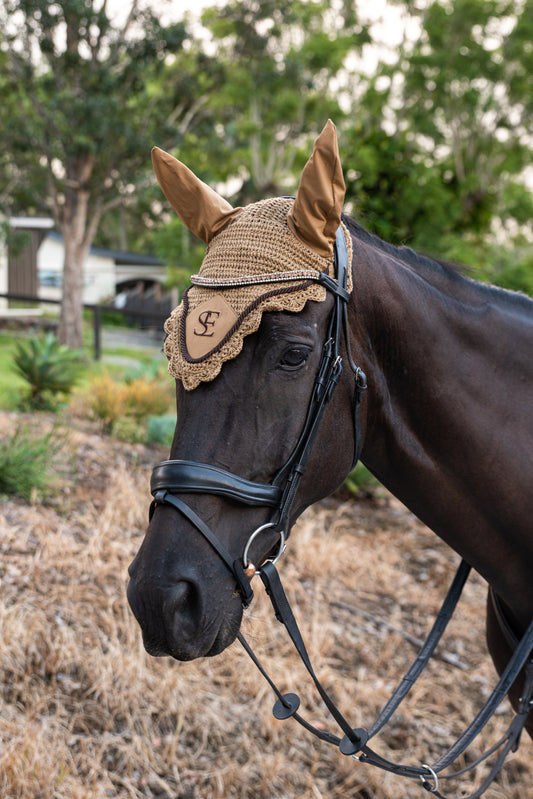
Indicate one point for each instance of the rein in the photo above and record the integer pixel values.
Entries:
(173, 476)
(354, 743)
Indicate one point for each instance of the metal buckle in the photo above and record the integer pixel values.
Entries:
(254, 535)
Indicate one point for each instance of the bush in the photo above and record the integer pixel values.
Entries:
(48, 367)
(25, 463)
(360, 481)
(111, 402)
(145, 397)
(106, 400)
(161, 429)
(129, 430)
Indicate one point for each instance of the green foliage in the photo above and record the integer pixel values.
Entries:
(48, 367)
(129, 430)
(160, 429)
(143, 397)
(150, 370)
(25, 463)
(280, 58)
(82, 103)
(434, 141)
(360, 481)
(104, 400)
(435, 154)
(513, 269)
(180, 250)
(11, 385)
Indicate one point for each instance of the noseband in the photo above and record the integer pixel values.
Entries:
(180, 476)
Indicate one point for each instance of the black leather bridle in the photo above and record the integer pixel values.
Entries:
(180, 476)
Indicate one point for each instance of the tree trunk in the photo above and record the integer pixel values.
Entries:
(72, 221)
(70, 330)
(78, 233)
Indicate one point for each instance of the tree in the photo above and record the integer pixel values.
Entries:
(443, 132)
(82, 101)
(281, 58)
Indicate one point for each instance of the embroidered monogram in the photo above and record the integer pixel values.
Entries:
(207, 324)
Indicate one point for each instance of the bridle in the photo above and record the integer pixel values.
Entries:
(190, 477)
(179, 476)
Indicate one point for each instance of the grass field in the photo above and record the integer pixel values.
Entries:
(85, 713)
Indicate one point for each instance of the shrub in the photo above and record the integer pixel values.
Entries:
(145, 397)
(129, 430)
(161, 429)
(106, 400)
(110, 402)
(48, 367)
(25, 463)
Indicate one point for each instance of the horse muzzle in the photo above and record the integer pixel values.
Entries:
(178, 617)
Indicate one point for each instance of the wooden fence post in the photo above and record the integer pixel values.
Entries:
(97, 329)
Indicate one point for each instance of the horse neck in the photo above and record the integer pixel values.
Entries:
(438, 389)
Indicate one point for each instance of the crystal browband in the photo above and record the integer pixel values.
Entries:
(252, 280)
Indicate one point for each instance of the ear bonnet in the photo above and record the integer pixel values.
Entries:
(268, 256)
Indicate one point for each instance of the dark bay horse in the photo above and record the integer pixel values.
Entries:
(446, 425)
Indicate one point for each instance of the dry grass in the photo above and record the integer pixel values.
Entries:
(84, 712)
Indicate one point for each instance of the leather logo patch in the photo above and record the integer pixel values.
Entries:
(206, 325)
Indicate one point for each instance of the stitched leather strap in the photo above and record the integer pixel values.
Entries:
(189, 477)
(356, 740)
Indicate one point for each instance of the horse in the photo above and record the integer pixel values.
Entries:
(445, 423)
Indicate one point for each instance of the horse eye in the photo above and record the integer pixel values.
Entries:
(294, 358)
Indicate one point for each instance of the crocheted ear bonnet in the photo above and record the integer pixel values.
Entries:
(265, 257)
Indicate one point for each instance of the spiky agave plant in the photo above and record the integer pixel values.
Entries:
(49, 368)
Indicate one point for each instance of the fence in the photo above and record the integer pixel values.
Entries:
(144, 318)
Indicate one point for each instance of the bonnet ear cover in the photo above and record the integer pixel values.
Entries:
(316, 214)
(198, 206)
(267, 256)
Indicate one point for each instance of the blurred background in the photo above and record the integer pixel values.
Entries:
(433, 102)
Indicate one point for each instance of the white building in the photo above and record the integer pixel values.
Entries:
(32, 266)
(107, 272)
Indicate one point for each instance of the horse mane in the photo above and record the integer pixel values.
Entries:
(454, 271)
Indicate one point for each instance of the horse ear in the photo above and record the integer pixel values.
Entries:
(316, 213)
(198, 206)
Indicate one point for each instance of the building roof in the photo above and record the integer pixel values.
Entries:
(120, 257)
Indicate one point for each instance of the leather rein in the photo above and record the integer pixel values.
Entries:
(180, 476)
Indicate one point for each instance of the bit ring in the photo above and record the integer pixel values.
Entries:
(255, 533)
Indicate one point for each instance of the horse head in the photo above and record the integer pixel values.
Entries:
(255, 347)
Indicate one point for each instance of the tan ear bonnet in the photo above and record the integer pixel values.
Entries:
(209, 326)
(267, 256)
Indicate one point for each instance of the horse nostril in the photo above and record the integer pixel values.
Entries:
(182, 609)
